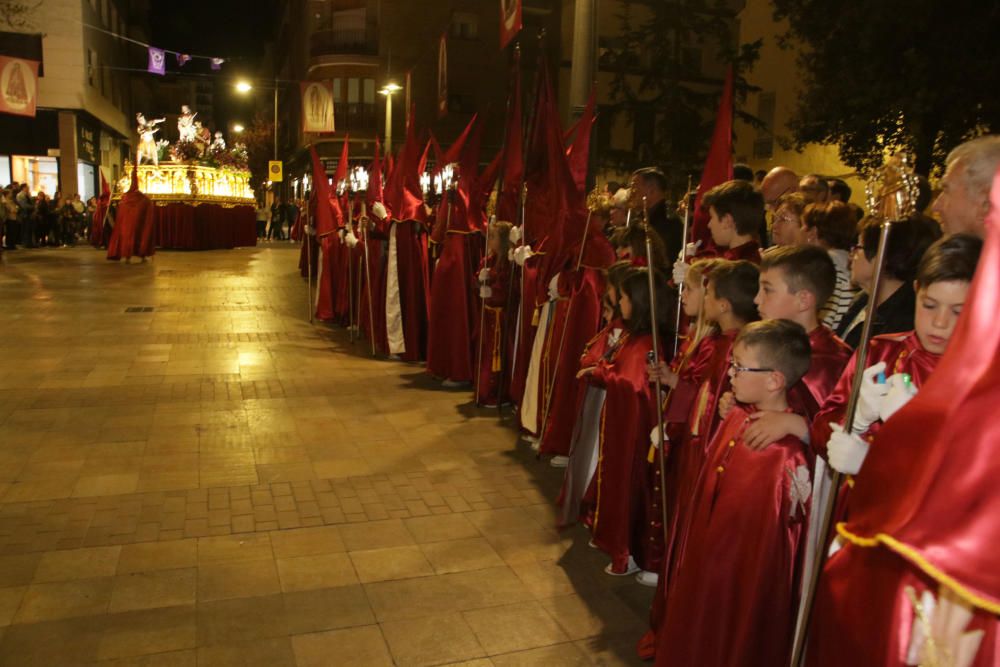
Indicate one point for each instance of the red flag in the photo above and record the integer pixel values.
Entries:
(579, 150)
(442, 107)
(719, 164)
(510, 21)
(928, 491)
(509, 201)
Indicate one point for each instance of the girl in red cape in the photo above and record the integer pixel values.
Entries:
(628, 414)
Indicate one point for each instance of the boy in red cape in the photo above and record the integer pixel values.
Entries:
(920, 573)
(733, 597)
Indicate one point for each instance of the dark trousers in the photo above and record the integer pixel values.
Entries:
(11, 234)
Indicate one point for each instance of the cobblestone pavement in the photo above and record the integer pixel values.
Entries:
(192, 474)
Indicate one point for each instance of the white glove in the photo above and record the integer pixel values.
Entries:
(870, 400)
(680, 271)
(522, 253)
(378, 208)
(515, 235)
(342, 233)
(484, 275)
(351, 239)
(900, 391)
(485, 291)
(845, 451)
(554, 288)
(654, 437)
(691, 249)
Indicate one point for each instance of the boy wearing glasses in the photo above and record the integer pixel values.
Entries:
(734, 590)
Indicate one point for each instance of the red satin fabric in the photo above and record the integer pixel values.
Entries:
(453, 308)
(828, 357)
(750, 251)
(134, 229)
(325, 279)
(582, 320)
(864, 617)
(525, 286)
(902, 353)
(490, 338)
(414, 287)
(205, 227)
(734, 594)
(628, 415)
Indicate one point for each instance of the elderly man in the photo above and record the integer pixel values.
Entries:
(779, 181)
(965, 188)
(814, 188)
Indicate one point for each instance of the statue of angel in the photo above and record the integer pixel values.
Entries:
(147, 140)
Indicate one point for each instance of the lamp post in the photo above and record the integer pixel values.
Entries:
(388, 90)
(244, 87)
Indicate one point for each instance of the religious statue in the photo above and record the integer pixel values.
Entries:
(202, 137)
(219, 144)
(147, 142)
(185, 124)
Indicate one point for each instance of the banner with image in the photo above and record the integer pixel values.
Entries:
(317, 106)
(18, 86)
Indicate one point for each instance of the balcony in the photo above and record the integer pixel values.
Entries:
(343, 42)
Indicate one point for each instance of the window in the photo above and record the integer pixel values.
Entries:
(336, 90)
(369, 91)
(465, 25)
(92, 67)
(763, 145)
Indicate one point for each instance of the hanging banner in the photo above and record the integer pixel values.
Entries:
(18, 86)
(443, 77)
(510, 21)
(317, 106)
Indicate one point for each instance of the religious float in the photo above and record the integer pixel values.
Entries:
(201, 188)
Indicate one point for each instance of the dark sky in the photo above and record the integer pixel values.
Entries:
(223, 28)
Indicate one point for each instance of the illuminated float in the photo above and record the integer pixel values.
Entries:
(201, 188)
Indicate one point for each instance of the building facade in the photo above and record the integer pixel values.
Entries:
(83, 124)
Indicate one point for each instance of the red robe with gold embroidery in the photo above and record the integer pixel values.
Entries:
(628, 415)
(734, 593)
(926, 510)
(489, 355)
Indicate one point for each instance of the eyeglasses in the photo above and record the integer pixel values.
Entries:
(735, 369)
(786, 218)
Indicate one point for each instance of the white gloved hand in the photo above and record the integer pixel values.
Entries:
(510, 254)
(351, 240)
(484, 275)
(522, 254)
(845, 451)
(654, 437)
(680, 272)
(900, 391)
(554, 288)
(515, 235)
(485, 291)
(342, 233)
(378, 208)
(691, 249)
(870, 399)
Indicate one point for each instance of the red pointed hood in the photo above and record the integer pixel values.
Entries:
(719, 164)
(928, 489)
(509, 200)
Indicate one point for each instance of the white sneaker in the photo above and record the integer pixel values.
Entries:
(559, 461)
(647, 578)
(630, 569)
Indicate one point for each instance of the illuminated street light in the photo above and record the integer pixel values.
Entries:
(238, 127)
(243, 87)
(388, 90)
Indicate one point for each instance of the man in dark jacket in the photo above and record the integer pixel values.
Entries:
(650, 183)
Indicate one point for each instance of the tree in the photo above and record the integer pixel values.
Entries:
(920, 75)
(259, 140)
(658, 83)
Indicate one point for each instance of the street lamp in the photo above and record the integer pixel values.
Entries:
(243, 87)
(387, 90)
(238, 128)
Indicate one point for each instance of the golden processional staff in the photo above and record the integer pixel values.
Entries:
(688, 201)
(653, 357)
(892, 195)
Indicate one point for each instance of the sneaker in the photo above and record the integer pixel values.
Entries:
(647, 578)
(630, 568)
(559, 461)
